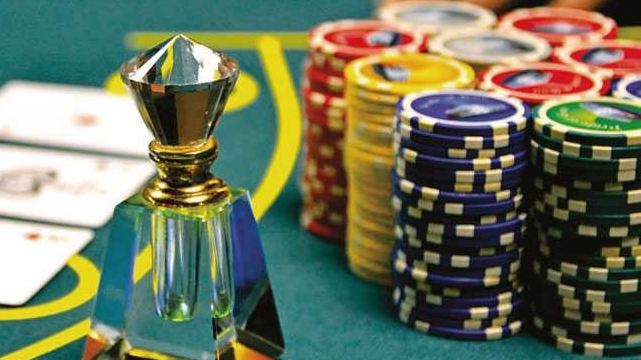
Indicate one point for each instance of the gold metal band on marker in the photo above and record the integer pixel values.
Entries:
(184, 178)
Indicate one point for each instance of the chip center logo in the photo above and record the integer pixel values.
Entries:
(561, 27)
(470, 110)
(612, 112)
(526, 78)
(439, 16)
(385, 38)
(602, 56)
(394, 73)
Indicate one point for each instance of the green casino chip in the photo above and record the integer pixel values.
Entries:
(561, 159)
(595, 328)
(588, 230)
(615, 286)
(608, 262)
(614, 197)
(629, 219)
(598, 308)
(587, 151)
(563, 329)
(585, 347)
(550, 180)
(590, 248)
(575, 173)
(593, 121)
(588, 272)
(584, 294)
(592, 206)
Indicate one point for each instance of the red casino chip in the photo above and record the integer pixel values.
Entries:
(327, 232)
(607, 58)
(325, 151)
(320, 81)
(560, 26)
(538, 82)
(351, 39)
(319, 100)
(327, 171)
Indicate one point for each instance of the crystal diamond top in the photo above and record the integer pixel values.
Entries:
(179, 61)
(181, 88)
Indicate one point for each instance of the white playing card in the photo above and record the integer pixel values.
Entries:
(74, 117)
(64, 187)
(32, 254)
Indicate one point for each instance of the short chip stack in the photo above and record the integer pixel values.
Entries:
(486, 47)
(586, 296)
(434, 17)
(374, 85)
(332, 46)
(460, 157)
(612, 59)
(560, 26)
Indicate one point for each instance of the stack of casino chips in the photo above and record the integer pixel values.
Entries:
(612, 59)
(460, 157)
(332, 46)
(560, 26)
(434, 17)
(586, 267)
(374, 85)
(534, 83)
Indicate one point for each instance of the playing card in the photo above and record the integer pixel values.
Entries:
(73, 117)
(64, 187)
(32, 254)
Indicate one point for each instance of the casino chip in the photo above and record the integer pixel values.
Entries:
(628, 87)
(586, 266)
(607, 58)
(333, 45)
(482, 48)
(468, 242)
(560, 26)
(374, 86)
(437, 16)
(535, 83)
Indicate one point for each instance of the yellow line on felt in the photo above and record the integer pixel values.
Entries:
(51, 342)
(241, 40)
(289, 124)
(280, 167)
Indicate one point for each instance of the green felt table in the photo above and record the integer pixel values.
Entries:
(325, 311)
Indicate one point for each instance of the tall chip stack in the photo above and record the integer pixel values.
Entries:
(434, 17)
(560, 26)
(374, 85)
(585, 292)
(332, 46)
(460, 156)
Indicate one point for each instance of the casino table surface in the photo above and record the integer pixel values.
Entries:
(325, 311)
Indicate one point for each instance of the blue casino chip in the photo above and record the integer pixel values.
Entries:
(463, 113)
(460, 141)
(482, 177)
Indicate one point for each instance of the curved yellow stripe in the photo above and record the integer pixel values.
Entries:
(289, 124)
(281, 165)
(88, 277)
